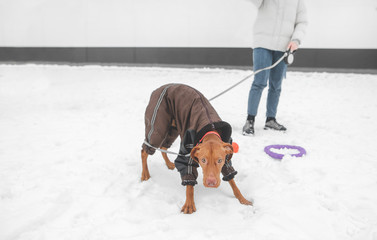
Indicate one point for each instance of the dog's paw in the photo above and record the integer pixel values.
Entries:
(170, 165)
(188, 208)
(245, 202)
(145, 176)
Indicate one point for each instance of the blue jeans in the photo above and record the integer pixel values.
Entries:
(263, 58)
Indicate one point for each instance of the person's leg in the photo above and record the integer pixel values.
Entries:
(274, 87)
(262, 58)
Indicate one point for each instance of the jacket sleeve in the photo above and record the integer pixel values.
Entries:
(228, 171)
(185, 165)
(301, 22)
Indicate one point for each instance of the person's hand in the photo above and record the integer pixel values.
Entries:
(292, 46)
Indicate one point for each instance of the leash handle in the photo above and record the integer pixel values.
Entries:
(290, 57)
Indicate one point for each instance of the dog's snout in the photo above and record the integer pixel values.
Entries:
(211, 182)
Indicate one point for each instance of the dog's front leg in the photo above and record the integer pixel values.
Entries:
(189, 206)
(237, 193)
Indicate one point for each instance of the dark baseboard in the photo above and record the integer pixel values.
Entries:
(304, 58)
(337, 58)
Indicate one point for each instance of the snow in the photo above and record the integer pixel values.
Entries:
(70, 140)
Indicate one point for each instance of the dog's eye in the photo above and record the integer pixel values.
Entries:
(219, 161)
(203, 160)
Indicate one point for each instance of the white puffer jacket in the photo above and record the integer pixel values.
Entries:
(279, 22)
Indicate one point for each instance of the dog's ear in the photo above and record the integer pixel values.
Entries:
(228, 151)
(194, 154)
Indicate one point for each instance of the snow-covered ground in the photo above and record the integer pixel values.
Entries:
(70, 140)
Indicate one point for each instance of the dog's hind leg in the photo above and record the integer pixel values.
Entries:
(169, 164)
(145, 173)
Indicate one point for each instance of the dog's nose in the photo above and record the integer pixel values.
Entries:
(211, 182)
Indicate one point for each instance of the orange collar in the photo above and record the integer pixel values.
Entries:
(210, 132)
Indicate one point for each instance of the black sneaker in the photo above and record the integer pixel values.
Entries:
(273, 124)
(248, 128)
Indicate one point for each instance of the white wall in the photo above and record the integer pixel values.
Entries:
(173, 23)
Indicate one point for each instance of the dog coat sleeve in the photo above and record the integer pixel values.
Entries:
(228, 170)
(188, 170)
(185, 165)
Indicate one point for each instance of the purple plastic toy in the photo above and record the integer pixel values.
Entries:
(280, 156)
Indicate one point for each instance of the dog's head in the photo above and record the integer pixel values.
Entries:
(211, 156)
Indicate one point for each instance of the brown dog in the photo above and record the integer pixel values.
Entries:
(179, 110)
